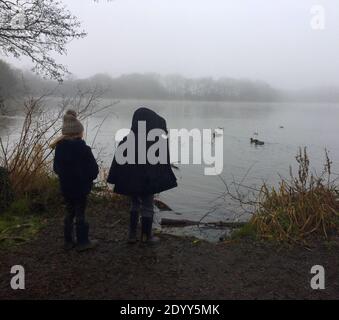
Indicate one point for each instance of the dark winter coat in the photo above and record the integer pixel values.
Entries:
(143, 179)
(76, 167)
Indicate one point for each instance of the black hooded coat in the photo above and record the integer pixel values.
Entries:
(143, 178)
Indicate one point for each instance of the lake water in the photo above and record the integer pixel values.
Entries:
(313, 125)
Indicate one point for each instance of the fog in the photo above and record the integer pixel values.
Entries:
(271, 41)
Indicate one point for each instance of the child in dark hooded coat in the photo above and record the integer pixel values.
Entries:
(142, 179)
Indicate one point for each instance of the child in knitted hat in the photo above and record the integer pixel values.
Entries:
(71, 128)
(76, 168)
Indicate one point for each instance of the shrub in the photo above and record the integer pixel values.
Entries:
(305, 206)
(247, 231)
(20, 207)
(6, 194)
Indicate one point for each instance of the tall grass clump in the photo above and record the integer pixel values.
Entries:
(302, 207)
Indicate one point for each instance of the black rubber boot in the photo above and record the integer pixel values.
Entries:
(83, 242)
(133, 225)
(146, 231)
(68, 235)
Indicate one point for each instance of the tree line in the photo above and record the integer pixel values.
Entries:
(139, 86)
(15, 83)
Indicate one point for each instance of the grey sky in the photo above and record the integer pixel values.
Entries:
(257, 39)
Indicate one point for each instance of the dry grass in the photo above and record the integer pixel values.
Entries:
(304, 206)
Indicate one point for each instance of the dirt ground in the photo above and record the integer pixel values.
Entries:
(178, 268)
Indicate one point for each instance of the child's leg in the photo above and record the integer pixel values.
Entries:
(147, 213)
(82, 226)
(134, 219)
(69, 222)
(135, 203)
(80, 208)
(147, 206)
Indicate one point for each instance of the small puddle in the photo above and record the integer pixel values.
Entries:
(208, 233)
(203, 233)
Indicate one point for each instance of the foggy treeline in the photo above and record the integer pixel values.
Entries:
(15, 83)
(154, 86)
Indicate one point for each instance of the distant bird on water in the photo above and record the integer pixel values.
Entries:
(257, 142)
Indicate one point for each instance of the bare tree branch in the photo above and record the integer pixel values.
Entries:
(35, 29)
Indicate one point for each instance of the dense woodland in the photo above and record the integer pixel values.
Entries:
(15, 83)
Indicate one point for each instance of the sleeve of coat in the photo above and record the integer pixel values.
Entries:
(92, 166)
(55, 162)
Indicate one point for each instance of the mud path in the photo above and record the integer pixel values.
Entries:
(178, 268)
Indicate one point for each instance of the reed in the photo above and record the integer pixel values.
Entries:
(301, 207)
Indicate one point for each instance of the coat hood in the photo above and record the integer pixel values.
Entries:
(152, 119)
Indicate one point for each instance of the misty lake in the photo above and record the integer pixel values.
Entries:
(282, 126)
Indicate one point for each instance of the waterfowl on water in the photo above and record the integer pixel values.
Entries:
(257, 142)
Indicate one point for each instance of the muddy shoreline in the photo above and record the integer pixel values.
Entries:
(178, 268)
